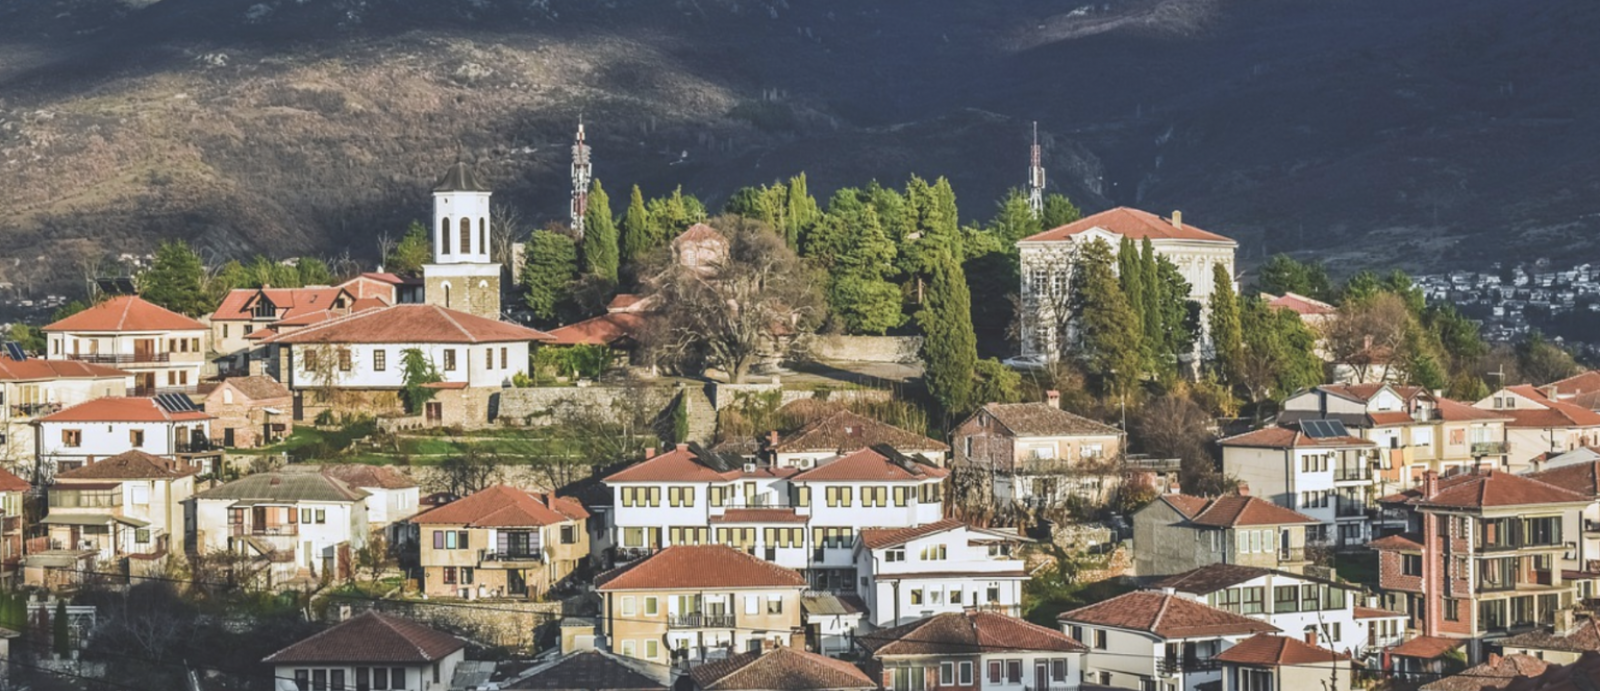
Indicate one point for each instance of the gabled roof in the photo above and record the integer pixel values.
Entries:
(1044, 420)
(371, 637)
(1583, 478)
(1456, 411)
(459, 177)
(364, 476)
(33, 369)
(691, 463)
(779, 669)
(126, 313)
(870, 465)
(1233, 511)
(1299, 304)
(412, 323)
(879, 538)
(1129, 223)
(122, 409)
(1167, 616)
(596, 670)
(1497, 672)
(1287, 438)
(1554, 415)
(1268, 650)
(606, 329)
(1584, 636)
(256, 387)
(699, 232)
(846, 431)
(1583, 382)
(239, 304)
(128, 465)
(503, 506)
(698, 566)
(1400, 542)
(1486, 489)
(963, 633)
(12, 483)
(1213, 577)
(285, 486)
(1426, 647)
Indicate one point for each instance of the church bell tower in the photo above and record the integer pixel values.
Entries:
(463, 275)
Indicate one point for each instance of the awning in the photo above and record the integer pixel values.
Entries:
(272, 411)
(76, 519)
(132, 521)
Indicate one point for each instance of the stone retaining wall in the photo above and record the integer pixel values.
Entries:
(546, 405)
(901, 349)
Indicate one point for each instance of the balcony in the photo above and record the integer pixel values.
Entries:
(490, 558)
(273, 530)
(700, 620)
(1346, 473)
(34, 409)
(1172, 666)
(134, 359)
(1591, 526)
(158, 390)
(1291, 554)
(760, 501)
(1489, 448)
(196, 446)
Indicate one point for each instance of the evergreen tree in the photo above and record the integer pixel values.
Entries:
(949, 346)
(1058, 211)
(680, 420)
(670, 215)
(1109, 331)
(892, 210)
(1158, 340)
(414, 249)
(1227, 337)
(61, 634)
(313, 272)
(1014, 220)
(636, 240)
(1179, 316)
(860, 294)
(600, 256)
(547, 274)
(997, 383)
(1130, 274)
(1282, 274)
(800, 210)
(176, 280)
(416, 372)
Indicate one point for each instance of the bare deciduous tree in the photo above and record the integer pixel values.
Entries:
(1366, 336)
(507, 225)
(386, 245)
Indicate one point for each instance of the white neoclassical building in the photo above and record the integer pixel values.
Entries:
(1048, 260)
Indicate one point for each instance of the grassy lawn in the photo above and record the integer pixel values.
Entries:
(1357, 567)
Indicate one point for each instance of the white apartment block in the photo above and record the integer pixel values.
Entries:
(905, 574)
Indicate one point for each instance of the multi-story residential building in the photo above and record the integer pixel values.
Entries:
(31, 388)
(844, 432)
(1581, 564)
(1317, 469)
(781, 667)
(243, 311)
(975, 651)
(298, 521)
(1038, 455)
(357, 360)
(1566, 641)
(1267, 662)
(163, 350)
(832, 621)
(905, 574)
(392, 496)
(250, 411)
(592, 670)
(126, 508)
(370, 651)
(1540, 425)
(1153, 640)
(13, 490)
(1048, 260)
(1482, 555)
(1180, 532)
(1295, 604)
(800, 519)
(700, 602)
(500, 542)
(95, 429)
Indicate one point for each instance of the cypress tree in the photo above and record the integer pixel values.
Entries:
(60, 632)
(949, 346)
(1155, 299)
(1108, 328)
(800, 211)
(551, 265)
(860, 295)
(1130, 269)
(1014, 220)
(636, 241)
(600, 236)
(1058, 211)
(1227, 337)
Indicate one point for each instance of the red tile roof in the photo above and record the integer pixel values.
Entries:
(128, 465)
(1375, 613)
(1130, 223)
(783, 668)
(1391, 417)
(1360, 393)
(625, 302)
(121, 409)
(1556, 414)
(1233, 510)
(1583, 478)
(126, 313)
(368, 303)
(1300, 304)
(867, 465)
(365, 476)
(1040, 419)
(965, 633)
(698, 566)
(1456, 411)
(1268, 650)
(33, 369)
(1477, 490)
(879, 538)
(411, 323)
(681, 464)
(699, 232)
(1168, 616)
(256, 387)
(595, 670)
(239, 304)
(1494, 673)
(371, 637)
(1426, 647)
(12, 483)
(504, 506)
(846, 431)
(605, 330)
(1584, 382)
(1402, 542)
(1287, 438)
(760, 516)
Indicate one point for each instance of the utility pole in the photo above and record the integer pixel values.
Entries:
(581, 175)
(1036, 177)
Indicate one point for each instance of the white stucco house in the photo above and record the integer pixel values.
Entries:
(102, 427)
(904, 574)
(163, 350)
(1320, 471)
(369, 651)
(1156, 640)
(31, 388)
(306, 521)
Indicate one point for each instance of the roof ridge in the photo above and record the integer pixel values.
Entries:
(446, 314)
(1166, 600)
(126, 305)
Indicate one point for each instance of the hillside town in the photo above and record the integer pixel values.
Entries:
(438, 474)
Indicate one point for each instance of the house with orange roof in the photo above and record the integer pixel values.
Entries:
(1048, 258)
(1271, 662)
(31, 388)
(128, 509)
(369, 652)
(1540, 425)
(251, 411)
(941, 567)
(1179, 532)
(501, 542)
(168, 426)
(973, 650)
(244, 310)
(12, 491)
(1036, 455)
(166, 352)
(1482, 555)
(1316, 467)
(1150, 639)
(699, 602)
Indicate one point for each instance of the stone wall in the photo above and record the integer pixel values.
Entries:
(546, 405)
(513, 624)
(902, 349)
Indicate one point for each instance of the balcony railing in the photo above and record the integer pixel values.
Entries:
(1350, 509)
(197, 446)
(34, 409)
(759, 501)
(509, 555)
(276, 530)
(133, 359)
(1489, 448)
(700, 620)
(1171, 665)
(1591, 526)
(158, 390)
(1291, 554)
(1345, 473)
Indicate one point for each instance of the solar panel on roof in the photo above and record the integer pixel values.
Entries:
(174, 403)
(1336, 427)
(14, 351)
(1323, 429)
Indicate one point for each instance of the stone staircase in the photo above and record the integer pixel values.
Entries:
(702, 415)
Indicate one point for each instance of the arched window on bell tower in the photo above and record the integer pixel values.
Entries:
(466, 236)
(444, 235)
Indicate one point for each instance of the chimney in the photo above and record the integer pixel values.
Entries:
(1311, 636)
(772, 438)
(682, 446)
(649, 452)
(1493, 659)
(1177, 219)
(1053, 397)
(1430, 483)
(1244, 489)
(1563, 622)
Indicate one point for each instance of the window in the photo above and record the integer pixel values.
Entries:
(1452, 610)
(380, 360)
(502, 357)
(344, 360)
(1309, 600)
(1099, 639)
(302, 679)
(488, 358)
(1013, 671)
(1058, 670)
(896, 554)
(628, 648)
(947, 673)
(652, 648)
(774, 604)
(466, 236)
(909, 679)
(136, 437)
(840, 496)
(363, 678)
(652, 605)
(336, 679)
(916, 596)
(319, 680)
(322, 517)
(1254, 680)
(569, 534)
(1253, 600)
(752, 604)
(1411, 564)
(72, 437)
(933, 553)
(310, 360)
(1285, 598)
(1075, 632)
(965, 672)
(629, 606)
(449, 359)
(397, 677)
(994, 671)
(449, 575)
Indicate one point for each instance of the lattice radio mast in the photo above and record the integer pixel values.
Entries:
(1036, 177)
(580, 180)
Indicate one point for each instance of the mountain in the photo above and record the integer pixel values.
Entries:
(1423, 134)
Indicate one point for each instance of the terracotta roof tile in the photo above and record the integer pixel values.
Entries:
(1555, 413)
(126, 313)
(605, 330)
(33, 369)
(128, 465)
(1186, 504)
(964, 633)
(1584, 636)
(1168, 616)
(1130, 223)
(780, 669)
(1495, 673)
(699, 232)
(596, 670)
(371, 637)
(122, 409)
(869, 465)
(256, 387)
(363, 475)
(1233, 510)
(1584, 382)
(286, 486)
(698, 566)
(1213, 577)
(1299, 304)
(879, 538)
(1583, 478)
(1045, 420)
(503, 506)
(12, 483)
(690, 463)
(1426, 647)
(1456, 411)
(1403, 542)
(1374, 613)
(412, 323)
(1287, 438)
(1391, 417)
(240, 304)
(1268, 650)
(846, 431)
(759, 516)
(1476, 490)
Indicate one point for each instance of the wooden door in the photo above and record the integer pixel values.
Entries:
(144, 349)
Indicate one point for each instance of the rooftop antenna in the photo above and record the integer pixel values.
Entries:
(1036, 177)
(581, 175)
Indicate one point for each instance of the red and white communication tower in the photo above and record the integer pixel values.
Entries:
(580, 180)
(1036, 177)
